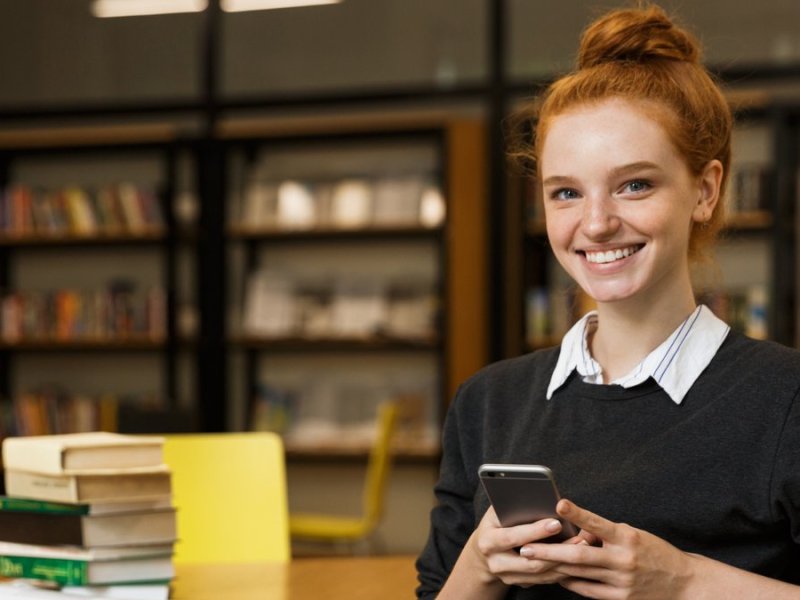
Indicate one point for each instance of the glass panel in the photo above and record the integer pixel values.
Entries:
(544, 33)
(56, 52)
(354, 45)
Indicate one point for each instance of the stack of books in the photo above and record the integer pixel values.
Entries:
(89, 514)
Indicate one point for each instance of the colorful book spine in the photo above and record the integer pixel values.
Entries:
(58, 570)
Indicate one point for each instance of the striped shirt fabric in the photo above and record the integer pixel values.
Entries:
(675, 365)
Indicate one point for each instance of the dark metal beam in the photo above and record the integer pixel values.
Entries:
(497, 100)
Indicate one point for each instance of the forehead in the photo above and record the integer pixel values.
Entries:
(607, 134)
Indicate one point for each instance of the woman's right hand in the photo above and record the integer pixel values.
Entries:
(497, 548)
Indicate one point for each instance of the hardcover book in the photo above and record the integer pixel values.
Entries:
(58, 454)
(31, 589)
(127, 591)
(112, 529)
(66, 565)
(15, 504)
(109, 486)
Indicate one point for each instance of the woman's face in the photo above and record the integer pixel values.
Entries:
(619, 202)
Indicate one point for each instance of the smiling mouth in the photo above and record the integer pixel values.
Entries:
(611, 255)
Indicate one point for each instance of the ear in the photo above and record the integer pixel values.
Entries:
(709, 183)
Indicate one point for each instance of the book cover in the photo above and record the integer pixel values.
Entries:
(131, 207)
(66, 565)
(111, 529)
(129, 591)
(14, 504)
(30, 589)
(57, 454)
(108, 486)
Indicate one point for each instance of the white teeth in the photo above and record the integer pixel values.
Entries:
(610, 255)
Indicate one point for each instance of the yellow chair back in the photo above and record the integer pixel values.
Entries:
(230, 493)
(340, 528)
(378, 465)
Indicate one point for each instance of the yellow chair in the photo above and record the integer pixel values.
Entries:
(230, 493)
(338, 528)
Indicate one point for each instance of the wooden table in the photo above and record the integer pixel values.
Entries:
(340, 578)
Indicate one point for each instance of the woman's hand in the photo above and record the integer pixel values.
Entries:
(628, 563)
(497, 548)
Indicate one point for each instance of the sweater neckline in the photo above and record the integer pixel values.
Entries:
(610, 392)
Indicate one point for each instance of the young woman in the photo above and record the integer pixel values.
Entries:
(675, 441)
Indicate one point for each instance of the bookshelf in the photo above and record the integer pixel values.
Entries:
(751, 282)
(89, 254)
(350, 299)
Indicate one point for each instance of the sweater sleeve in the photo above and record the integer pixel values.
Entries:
(786, 473)
(452, 520)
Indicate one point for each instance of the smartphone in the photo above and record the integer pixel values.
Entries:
(524, 494)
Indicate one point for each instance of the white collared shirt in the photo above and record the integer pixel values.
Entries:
(675, 365)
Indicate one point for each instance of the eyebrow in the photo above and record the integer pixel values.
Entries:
(635, 167)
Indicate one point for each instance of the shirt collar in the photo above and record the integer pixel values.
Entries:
(675, 365)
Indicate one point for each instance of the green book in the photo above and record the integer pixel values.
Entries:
(61, 571)
(28, 505)
(66, 565)
(13, 504)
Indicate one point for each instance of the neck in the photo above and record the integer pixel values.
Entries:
(628, 331)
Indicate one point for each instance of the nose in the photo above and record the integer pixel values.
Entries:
(599, 220)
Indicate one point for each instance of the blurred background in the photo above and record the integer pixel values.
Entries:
(240, 218)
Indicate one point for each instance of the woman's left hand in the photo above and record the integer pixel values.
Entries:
(626, 563)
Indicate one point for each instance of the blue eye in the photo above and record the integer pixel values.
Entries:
(636, 186)
(564, 194)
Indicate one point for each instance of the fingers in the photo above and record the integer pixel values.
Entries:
(580, 553)
(498, 539)
(498, 548)
(593, 525)
(492, 537)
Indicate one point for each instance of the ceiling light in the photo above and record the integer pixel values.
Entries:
(243, 5)
(129, 8)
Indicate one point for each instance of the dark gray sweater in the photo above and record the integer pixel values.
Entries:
(718, 475)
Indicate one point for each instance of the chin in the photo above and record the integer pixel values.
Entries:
(604, 295)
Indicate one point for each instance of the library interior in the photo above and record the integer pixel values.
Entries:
(260, 245)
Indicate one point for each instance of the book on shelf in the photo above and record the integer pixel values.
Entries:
(750, 188)
(79, 211)
(270, 308)
(112, 209)
(432, 207)
(107, 485)
(358, 311)
(296, 206)
(62, 454)
(411, 312)
(131, 207)
(70, 565)
(116, 312)
(744, 309)
(397, 201)
(259, 204)
(53, 524)
(274, 307)
(351, 204)
(52, 410)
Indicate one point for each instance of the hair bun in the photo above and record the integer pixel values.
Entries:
(636, 35)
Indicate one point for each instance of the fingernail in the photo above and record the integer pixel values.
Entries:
(526, 552)
(553, 525)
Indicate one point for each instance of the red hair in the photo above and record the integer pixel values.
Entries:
(642, 56)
